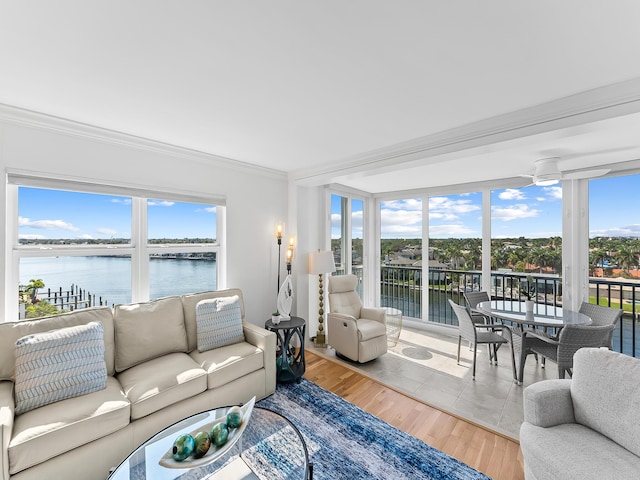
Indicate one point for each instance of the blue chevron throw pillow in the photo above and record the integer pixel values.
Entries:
(218, 322)
(60, 364)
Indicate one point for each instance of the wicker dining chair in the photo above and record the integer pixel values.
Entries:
(561, 350)
(479, 334)
(473, 299)
(601, 315)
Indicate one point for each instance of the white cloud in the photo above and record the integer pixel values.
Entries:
(448, 209)
(625, 231)
(160, 203)
(512, 194)
(123, 201)
(514, 212)
(86, 236)
(401, 223)
(47, 224)
(452, 230)
(555, 193)
(107, 231)
(409, 204)
(31, 237)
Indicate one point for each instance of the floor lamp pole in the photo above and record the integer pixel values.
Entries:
(279, 248)
(320, 337)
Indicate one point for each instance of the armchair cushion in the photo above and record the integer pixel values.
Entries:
(574, 451)
(368, 329)
(606, 395)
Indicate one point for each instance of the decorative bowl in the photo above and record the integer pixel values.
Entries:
(214, 452)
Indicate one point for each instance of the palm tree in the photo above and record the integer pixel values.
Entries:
(598, 257)
(627, 258)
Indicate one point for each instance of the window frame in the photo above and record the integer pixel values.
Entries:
(139, 249)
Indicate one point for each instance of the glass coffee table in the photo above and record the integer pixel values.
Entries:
(270, 447)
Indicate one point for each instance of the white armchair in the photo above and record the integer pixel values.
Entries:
(356, 332)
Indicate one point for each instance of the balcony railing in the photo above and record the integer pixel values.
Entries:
(402, 287)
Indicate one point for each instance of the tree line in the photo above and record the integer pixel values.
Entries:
(520, 254)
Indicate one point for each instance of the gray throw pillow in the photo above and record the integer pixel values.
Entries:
(218, 322)
(64, 363)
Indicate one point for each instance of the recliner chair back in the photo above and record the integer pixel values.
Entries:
(343, 297)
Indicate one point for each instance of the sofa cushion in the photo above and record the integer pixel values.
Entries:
(226, 364)
(605, 389)
(64, 363)
(163, 381)
(12, 331)
(189, 303)
(218, 322)
(574, 451)
(48, 431)
(148, 330)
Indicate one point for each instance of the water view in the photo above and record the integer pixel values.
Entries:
(109, 278)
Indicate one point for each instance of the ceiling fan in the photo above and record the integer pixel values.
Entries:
(547, 172)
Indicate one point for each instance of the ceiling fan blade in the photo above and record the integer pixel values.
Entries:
(580, 174)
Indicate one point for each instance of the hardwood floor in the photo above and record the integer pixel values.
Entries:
(493, 454)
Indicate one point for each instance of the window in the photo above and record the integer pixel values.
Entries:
(75, 248)
(455, 251)
(347, 237)
(614, 254)
(180, 240)
(526, 240)
(401, 255)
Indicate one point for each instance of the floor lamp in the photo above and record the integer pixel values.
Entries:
(321, 262)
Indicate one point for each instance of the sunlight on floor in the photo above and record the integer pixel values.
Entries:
(423, 365)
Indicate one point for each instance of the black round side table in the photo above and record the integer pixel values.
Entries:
(290, 364)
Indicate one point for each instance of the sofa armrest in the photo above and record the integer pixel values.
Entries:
(374, 313)
(7, 413)
(548, 403)
(266, 341)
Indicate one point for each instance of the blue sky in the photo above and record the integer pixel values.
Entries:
(46, 214)
(531, 212)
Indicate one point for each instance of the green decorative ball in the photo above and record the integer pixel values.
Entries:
(203, 442)
(234, 417)
(183, 447)
(219, 434)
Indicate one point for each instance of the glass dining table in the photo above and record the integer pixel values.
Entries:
(514, 314)
(543, 316)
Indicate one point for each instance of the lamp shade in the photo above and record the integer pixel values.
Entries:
(321, 262)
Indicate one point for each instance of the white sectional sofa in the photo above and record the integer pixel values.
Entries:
(587, 427)
(153, 375)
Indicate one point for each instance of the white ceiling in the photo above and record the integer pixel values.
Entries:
(356, 92)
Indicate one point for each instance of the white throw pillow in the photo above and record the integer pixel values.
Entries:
(218, 322)
(64, 363)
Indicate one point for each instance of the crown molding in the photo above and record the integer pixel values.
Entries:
(590, 106)
(32, 119)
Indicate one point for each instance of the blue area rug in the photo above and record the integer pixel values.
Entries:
(345, 442)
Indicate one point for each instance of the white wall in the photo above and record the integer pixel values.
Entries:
(256, 198)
